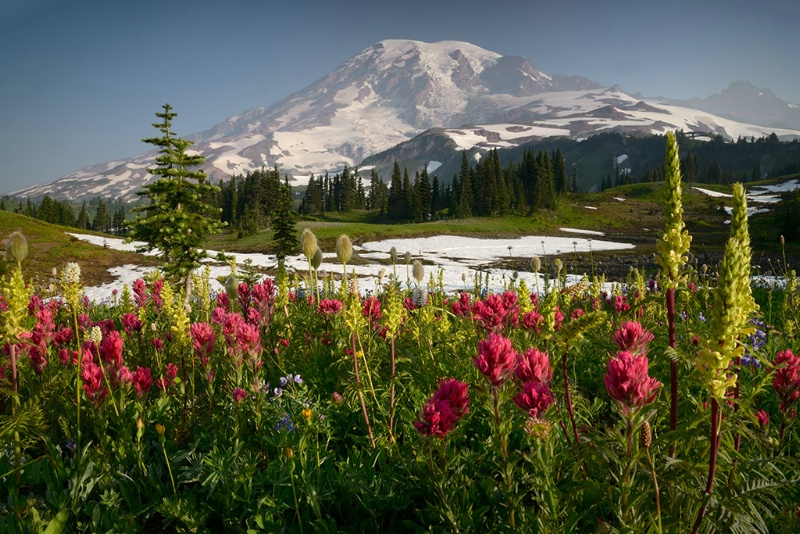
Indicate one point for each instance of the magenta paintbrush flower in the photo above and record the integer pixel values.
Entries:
(203, 339)
(534, 398)
(444, 409)
(628, 383)
(534, 366)
(496, 359)
(111, 349)
(330, 306)
(631, 336)
(142, 381)
(786, 381)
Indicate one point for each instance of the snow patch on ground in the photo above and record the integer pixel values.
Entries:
(577, 231)
(459, 258)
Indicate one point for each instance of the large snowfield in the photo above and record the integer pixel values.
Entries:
(460, 259)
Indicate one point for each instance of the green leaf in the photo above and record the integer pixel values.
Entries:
(56, 524)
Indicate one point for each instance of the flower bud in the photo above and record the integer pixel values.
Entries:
(288, 452)
(316, 261)
(647, 435)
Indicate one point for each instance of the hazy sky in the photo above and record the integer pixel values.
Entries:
(80, 80)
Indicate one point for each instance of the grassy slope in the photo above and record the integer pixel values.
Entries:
(50, 247)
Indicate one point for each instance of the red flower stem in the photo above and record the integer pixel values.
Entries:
(391, 396)
(360, 393)
(14, 402)
(712, 463)
(673, 368)
(564, 430)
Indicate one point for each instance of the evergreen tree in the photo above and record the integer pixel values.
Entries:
(396, 193)
(407, 203)
(82, 221)
(544, 172)
(100, 223)
(176, 222)
(436, 195)
(284, 231)
(66, 214)
(464, 201)
(560, 173)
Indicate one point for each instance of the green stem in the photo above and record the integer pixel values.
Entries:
(504, 450)
(626, 486)
(655, 487)
(169, 468)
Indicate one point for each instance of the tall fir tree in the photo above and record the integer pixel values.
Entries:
(396, 193)
(465, 200)
(100, 223)
(177, 221)
(284, 231)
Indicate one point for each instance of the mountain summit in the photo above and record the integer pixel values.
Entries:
(393, 91)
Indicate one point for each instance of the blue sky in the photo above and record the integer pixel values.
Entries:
(80, 80)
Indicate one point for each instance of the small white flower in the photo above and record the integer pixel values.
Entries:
(71, 273)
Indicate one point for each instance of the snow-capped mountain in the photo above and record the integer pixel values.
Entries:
(392, 92)
(744, 102)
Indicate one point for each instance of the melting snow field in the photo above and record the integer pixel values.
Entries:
(458, 257)
(764, 194)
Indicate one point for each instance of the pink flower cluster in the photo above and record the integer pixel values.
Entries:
(496, 359)
(534, 372)
(626, 379)
(631, 336)
(496, 311)
(330, 307)
(444, 409)
(786, 380)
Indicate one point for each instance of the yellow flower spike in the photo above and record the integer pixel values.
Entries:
(306, 413)
(674, 245)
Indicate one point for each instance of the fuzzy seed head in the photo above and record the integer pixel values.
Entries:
(536, 264)
(308, 243)
(344, 248)
(16, 247)
(418, 271)
(407, 258)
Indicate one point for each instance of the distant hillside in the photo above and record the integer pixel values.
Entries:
(606, 154)
(49, 247)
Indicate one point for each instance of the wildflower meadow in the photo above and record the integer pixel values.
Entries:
(305, 404)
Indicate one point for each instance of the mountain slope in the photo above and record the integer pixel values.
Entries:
(391, 92)
(741, 101)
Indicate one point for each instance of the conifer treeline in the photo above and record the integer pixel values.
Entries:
(483, 190)
(99, 215)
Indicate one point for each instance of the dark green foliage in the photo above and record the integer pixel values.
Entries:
(178, 218)
(283, 224)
